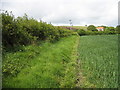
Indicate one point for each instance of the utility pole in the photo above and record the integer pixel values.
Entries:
(50, 23)
(70, 24)
(40, 20)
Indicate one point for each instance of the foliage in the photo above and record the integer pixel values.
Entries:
(109, 29)
(83, 32)
(91, 28)
(12, 33)
(118, 29)
(25, 31)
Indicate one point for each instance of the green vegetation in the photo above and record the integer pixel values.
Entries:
(40, 55)
(91, 28)
(78, 27)
(46, 65)
(109, 29)
(118, 29)
(98, 57)
(25, 31)
(82, 32)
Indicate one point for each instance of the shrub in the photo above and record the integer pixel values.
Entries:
(91, 28)
(118, 29)
(81, 32)
(24, 30)
(12, 32)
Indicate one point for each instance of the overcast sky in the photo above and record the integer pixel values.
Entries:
(59, 12)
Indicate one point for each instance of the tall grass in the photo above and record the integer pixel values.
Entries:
(98, 56)
(48, 65)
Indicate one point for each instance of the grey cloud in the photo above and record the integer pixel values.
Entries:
(60, 11)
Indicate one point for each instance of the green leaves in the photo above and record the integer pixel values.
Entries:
(25, 31)
(92, 28)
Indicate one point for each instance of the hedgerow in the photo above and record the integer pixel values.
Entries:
(82, 32)
(24, 31)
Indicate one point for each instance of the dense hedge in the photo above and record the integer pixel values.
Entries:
(25, 30)
(82, 32)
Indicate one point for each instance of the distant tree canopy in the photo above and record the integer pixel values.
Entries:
(118, 28)
(109, 29)
(112, 28)
(91, 28)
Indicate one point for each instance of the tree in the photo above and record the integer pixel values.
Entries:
(109, 29)
(91, 28)
(112, 28)
(118, 28)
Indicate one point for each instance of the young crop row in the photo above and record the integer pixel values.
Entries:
(98, 57)
(25, 30)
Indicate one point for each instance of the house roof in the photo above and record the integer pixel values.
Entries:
(100, 27)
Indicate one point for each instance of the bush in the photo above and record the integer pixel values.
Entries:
(81, 32)
(91, 28)
(118, 29)
(24, 31)
(12, 33)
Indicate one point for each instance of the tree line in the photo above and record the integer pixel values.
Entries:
(91, 30)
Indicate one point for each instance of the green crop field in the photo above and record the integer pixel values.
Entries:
(98, 61)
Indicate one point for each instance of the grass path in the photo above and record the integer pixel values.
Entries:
(98, 61)
(49, 65)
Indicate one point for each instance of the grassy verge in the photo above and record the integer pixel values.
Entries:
(49, 65)
(98, 56)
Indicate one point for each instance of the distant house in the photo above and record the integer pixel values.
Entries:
(100, 28)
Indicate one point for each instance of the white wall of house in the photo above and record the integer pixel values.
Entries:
(100, 29)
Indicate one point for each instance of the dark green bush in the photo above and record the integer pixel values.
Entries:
(81, 32)
(91, 28)
(12, 32)
(118, 29)
(24, 30)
